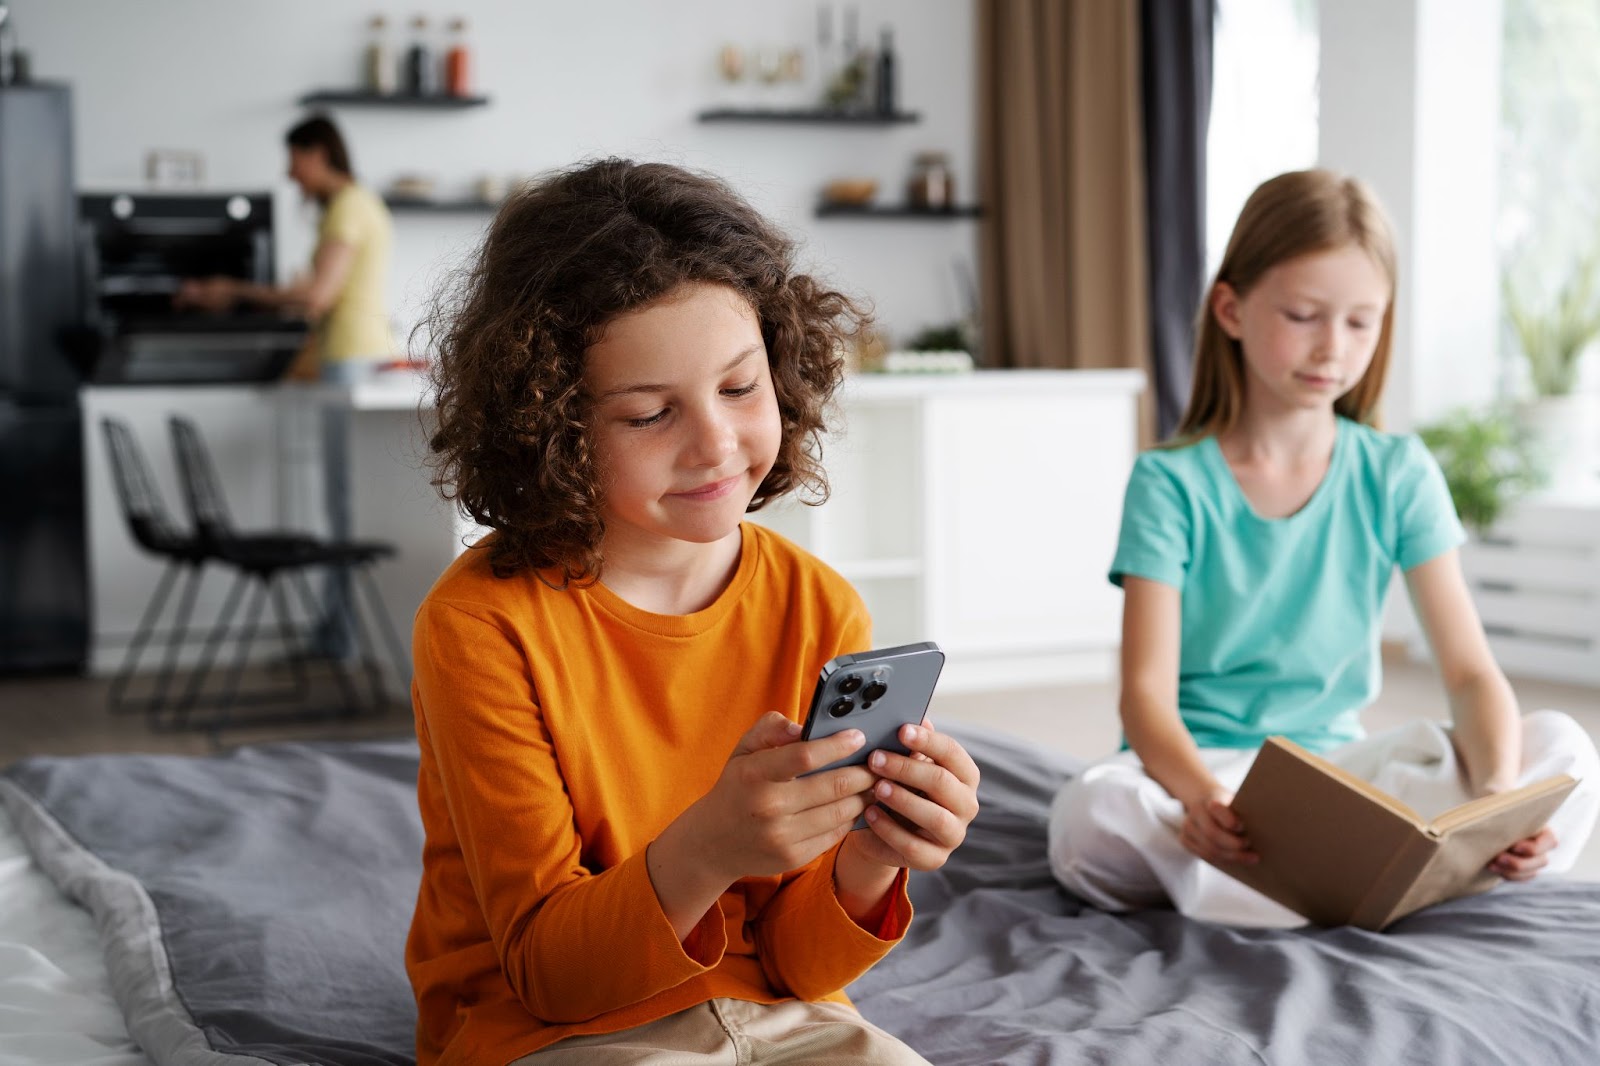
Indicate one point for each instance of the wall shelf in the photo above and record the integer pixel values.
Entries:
(441, 207)
(354, 98)
(817, 116)
(826, 210)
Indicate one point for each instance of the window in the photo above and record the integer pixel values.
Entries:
(1263, 105)
(1549, 218)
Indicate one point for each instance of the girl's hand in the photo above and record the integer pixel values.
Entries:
(933, 794)
(1524, 859)
(1213, 832)
(762, 817)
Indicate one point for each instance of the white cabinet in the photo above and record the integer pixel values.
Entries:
(1536, 582)
(981, 511)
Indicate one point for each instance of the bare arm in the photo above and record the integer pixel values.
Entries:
(316, 295)
(1151, 639)
(313, 296)
(1482, 705)
(1149, 702)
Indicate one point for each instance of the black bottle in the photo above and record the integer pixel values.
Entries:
(418, 77)
(884, 82)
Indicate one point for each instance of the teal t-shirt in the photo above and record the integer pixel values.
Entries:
(1282, 617)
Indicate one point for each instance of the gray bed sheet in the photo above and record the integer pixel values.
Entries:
(254, 907)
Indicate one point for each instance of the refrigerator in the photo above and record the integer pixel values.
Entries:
(44, 593)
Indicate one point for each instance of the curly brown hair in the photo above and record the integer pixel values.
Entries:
(565, 256)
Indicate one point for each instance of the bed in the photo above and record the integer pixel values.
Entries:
(251, 908)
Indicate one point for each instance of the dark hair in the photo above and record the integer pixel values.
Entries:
(318, 131)
(564, 256)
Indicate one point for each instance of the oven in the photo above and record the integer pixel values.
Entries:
(136, 249)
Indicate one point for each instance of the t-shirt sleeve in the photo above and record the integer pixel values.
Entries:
(1426, 525)
(344, 221)
(1155, 541)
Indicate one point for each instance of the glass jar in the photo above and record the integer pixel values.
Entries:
(932, 186)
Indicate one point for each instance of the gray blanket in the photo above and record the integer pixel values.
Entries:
(256, 905)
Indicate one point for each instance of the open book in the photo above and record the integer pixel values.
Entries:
(1342, 852)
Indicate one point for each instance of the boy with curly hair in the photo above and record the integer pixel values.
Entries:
(628, 859)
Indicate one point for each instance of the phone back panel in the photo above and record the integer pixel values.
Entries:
(908, 673)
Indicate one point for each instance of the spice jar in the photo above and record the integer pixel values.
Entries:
(932, 186)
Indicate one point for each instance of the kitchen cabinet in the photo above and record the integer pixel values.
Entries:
(981, 511)
(1535, 580)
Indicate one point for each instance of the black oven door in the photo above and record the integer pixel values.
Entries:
(192, 349)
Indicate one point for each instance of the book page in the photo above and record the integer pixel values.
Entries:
(1459, 866)
(1484, 806)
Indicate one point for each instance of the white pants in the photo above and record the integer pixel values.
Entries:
(1114, 829)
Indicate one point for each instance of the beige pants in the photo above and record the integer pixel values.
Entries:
(1114, 830)
(732, 1032)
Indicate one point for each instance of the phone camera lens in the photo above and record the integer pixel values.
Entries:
(841, 706)
(850, 684)
(874, 691)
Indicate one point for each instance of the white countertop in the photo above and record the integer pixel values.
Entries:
(407, 391)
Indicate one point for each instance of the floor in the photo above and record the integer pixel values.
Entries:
(61, 716)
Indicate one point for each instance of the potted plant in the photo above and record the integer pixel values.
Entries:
(1489, 462)
(1565, 423)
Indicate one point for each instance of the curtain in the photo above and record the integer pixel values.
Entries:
(1061, 164)
(1176, 81)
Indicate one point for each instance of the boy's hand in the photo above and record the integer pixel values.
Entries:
(762, 817)
(1213, 832)
(933, 794)
(1523, 860)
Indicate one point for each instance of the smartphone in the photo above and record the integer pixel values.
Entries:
(876, 692)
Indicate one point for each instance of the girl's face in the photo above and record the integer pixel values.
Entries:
(1308, 328)
(685, 422)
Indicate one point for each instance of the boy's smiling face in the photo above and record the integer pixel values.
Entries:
(685, 421)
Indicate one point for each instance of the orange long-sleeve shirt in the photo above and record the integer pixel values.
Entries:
(560, 733)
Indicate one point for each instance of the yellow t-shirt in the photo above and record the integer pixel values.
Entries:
(357, 326)
(560, 733)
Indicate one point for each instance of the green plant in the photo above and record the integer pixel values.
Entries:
(1488, 461)
(1553, 342)
(951, 337)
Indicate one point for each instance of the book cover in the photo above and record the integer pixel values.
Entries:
(1341, 852)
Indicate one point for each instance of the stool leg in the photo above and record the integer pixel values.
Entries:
(402, 661)
(297, 654)
(241, 655)
(141, 636)
(208, 654)
(369, 658)
(340, 674)
(180, 630)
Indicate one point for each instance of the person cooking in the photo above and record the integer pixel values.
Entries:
(344, 299)
(344, 293)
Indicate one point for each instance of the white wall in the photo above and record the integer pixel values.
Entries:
(1410, 102)
(566, 81)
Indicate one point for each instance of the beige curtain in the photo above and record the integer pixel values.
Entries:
(1061, 164)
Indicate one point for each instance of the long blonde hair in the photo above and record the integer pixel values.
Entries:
(1291, 215)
